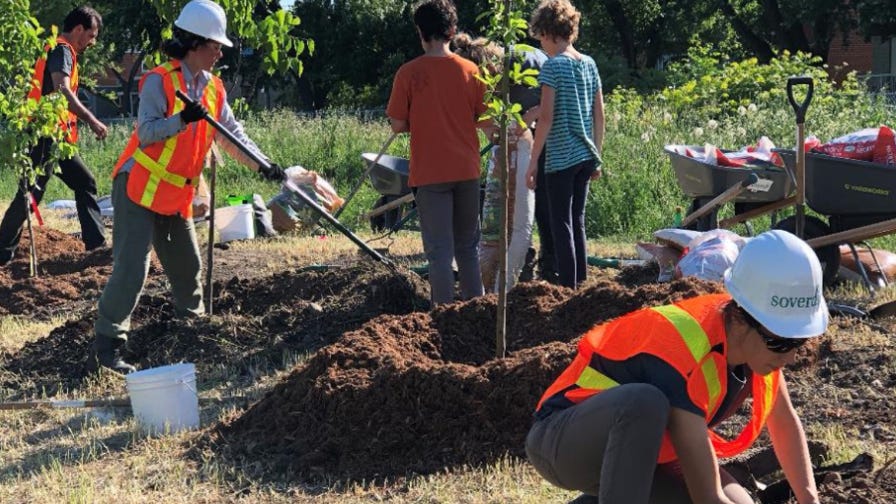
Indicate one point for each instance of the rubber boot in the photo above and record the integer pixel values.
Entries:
(585, 499)
(107, 354)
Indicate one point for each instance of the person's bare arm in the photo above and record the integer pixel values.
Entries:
(545, 122)
(696, 456)
(399, 125)
(789, 443)
(62, 83)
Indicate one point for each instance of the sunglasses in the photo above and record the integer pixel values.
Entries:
(774, 343)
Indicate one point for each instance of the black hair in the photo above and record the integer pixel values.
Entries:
(84, 16)
(435, 19)
(181, 43)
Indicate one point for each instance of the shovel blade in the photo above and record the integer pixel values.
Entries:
(884, 310)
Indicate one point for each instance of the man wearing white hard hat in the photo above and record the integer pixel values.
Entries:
(156, 176)
(633, 418)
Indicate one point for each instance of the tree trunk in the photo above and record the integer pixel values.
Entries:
(501, 167)
(624, 29)
(751, 40)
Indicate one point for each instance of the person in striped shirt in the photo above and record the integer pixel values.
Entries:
(571, 128)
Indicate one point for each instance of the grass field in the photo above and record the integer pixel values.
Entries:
(87, 456)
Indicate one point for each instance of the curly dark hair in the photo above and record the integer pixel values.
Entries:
(555, 18)
(436, 19)
(181, 43)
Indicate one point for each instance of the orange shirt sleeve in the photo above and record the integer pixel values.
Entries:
(400, 99)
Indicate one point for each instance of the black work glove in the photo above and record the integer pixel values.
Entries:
(273, 173)
(192, 112)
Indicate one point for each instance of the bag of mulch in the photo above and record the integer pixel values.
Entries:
(858, 145)
(709, 255)
(290, 212)
(885, 148)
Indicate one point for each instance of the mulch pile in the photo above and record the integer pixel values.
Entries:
(66, 275)
(417, 393)
(255, 319)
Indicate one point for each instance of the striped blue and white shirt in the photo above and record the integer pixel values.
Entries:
(575, 82)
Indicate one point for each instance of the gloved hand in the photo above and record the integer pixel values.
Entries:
(273, 173)
(192, 112)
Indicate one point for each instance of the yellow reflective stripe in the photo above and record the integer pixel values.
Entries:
(697, 341)
(713, 385)
(176, 82)
(693, 335)
(592, 379)
(769, 396)
(211, 92)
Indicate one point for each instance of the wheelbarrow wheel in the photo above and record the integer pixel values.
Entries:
(386, 220)
(828, 256)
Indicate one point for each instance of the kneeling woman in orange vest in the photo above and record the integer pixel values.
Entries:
(156, 176)
(631, 419)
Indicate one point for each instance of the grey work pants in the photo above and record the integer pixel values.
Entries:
(607, 446)
(135, 230)
(449, 225)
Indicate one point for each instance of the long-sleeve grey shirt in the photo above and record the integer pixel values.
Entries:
(153, 124)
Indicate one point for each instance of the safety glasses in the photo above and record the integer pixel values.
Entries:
(774, 343)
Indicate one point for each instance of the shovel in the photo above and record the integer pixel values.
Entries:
(800, 110)
(292, 187)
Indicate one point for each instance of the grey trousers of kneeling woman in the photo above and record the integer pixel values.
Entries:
(607, 446)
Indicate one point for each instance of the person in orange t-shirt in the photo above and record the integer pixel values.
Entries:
(437, 98)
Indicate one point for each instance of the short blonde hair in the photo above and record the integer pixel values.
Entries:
(555, 18)
(479, 50)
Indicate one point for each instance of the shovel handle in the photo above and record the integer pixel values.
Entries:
(800, 108)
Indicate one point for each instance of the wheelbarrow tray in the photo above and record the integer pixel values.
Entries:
(840, 186)
(699, 179)
(389, 175)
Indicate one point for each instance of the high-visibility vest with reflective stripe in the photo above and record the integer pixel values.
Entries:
(684, 335)
(69, 121)
(165, 173)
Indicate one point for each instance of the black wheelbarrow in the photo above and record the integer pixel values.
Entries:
(389, 176)
(755, 189)
(858, 198)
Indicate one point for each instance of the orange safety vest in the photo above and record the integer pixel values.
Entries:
(683, 335)
(165, 174)
(69, 121)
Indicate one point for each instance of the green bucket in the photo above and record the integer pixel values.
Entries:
(238, 199)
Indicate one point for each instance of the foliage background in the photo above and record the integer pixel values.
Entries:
(726, 104)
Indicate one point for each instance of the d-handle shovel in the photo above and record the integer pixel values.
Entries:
(308, 201)
(800, 110)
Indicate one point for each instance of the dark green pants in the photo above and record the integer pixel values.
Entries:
(136, 231)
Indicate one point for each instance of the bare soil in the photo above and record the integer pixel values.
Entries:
(393, 390)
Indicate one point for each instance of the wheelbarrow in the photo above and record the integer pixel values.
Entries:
(755, 189)
(858, 199)
(389, 177)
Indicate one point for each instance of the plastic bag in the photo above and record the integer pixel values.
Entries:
(289, 211)
(857, 145)
(885, 148)
(710, 256)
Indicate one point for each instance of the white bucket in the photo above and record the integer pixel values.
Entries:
(235, 222)
(164, 399)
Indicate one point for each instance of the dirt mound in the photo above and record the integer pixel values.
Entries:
(417, 393)
(67, 274)
(260, 318)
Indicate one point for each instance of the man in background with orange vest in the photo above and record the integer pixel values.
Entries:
(58, 71)
(156, 177)
(631, 419)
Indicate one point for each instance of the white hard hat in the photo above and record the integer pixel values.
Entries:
(777, 280)
(206, 19)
